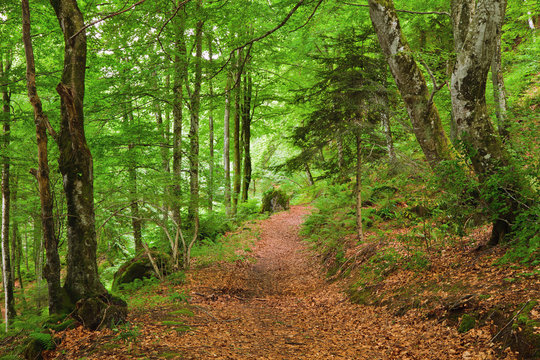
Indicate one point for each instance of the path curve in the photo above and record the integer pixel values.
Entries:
(281, 307)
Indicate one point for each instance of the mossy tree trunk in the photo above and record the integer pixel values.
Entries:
(75, 161)
(477, 43)
(424, 116)
(52, 273)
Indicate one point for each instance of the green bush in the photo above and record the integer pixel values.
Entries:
(213, 225)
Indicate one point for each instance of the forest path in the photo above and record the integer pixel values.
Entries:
(277, 307)
(280, 307)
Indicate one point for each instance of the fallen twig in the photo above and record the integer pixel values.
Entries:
(510, 322)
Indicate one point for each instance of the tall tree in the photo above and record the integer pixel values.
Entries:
(226, 145)
(193, 209)
(477, 25)
(246, 135)
(237, 157)
(5, 65)
(75, 161)
(178, 99)
(210, 129)
(52, 275)
(427, 125)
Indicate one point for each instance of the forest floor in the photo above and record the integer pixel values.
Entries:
(274, 304)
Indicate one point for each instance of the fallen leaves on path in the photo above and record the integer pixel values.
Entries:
(278, 307)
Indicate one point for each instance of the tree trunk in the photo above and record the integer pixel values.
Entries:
(226, 146)
(358, 188)
(136, 221)
(193, 210)
(211, 131)
(311, 181)
(468, 87)
(165, 160)
(178, 80)
(38, 248)
(381, 97)
(52, 273)
(75, 161)
(424, 117)
(237, 162)
(246, 135)
(499, 91)
(7, 274)
(16, 250)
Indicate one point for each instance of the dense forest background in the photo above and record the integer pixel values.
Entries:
(173, 119)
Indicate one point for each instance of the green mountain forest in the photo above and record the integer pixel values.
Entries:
(249, 179)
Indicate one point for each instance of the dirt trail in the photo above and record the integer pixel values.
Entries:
(278, 307)
(282, 308)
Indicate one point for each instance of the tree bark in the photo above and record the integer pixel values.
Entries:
(52, 273)
(381, 97)
(424, 117)
(237, 162)
(75, 161)
(193, 209)
(211, 131)
(16, 251)
(499, 91)
(468, 86)
(178, 81)
(164, 129)
(246, 135)
(226, 146)
(136, 222)
(358, 188)
(7, 274)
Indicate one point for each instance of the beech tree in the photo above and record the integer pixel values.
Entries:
(477, 26)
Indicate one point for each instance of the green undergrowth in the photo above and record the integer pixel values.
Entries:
(229, 248)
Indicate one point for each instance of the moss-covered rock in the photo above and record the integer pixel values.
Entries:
(100, 311)
(140, 267)
(467, 323)
(37, 342)
(275, 200)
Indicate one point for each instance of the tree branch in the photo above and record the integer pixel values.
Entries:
(266, 34)
(405, 11)
(310, 16)
(105, 18)
(165, 24)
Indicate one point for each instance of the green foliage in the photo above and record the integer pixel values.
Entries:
(467, 323)
(213, 225)
(139, 284)
(45, 340)
(180, 297)
(127, 332)
(246, 211)
(417, 261)
(177, 278)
